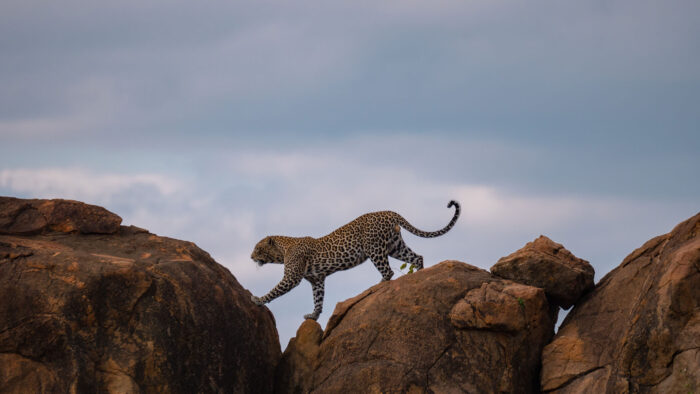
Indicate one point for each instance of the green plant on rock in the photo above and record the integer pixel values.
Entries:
(410, 269)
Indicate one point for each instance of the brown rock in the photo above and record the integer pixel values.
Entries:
(437, 330)
(300, 358)
(127, 312)
(18, 216)
(548, 265)
(500, 306)
(639, 330)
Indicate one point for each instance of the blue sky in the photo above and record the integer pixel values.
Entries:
(222, 123)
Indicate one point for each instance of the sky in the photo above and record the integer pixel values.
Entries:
(223, 122)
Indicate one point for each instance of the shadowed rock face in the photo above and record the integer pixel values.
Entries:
(639, 330)
(448, 328)
(549, 265)
(124, 312)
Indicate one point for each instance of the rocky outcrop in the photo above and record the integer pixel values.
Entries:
(448, 328)
(87, 305)
(546, 264)
(639, 330)
(123, 311)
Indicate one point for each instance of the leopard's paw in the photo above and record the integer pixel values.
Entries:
(256, 300)
(312, 316)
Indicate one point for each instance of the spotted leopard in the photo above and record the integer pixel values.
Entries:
(374, 235)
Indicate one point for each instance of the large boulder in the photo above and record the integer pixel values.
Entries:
(639, 330)
(549, 265)
(448, 328)
(123, 312)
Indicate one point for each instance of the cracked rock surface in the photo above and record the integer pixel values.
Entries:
(448, 328)
(639, 329)
(93, 307)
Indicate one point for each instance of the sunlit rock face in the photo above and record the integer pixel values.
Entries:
(639, 330)
(448, 328)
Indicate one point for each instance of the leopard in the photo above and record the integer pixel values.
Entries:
(375, 235)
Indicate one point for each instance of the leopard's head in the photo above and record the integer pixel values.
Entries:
(267, 251)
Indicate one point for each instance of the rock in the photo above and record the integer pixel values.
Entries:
(299, 359)
(548, 265)
(639, 330)
(124, 312)
(19, 216)
(499, 306)
(440, 329)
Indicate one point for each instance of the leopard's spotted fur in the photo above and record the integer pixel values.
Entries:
(374, 235)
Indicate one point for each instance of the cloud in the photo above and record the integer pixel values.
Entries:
(575, 71)
(490, 208)
(41, 127)
(279, 165)
(88, 104)
(82, 184)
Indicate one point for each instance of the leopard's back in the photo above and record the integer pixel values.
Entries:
(353, 243)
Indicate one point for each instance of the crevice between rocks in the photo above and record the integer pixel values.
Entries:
(676, 353)
(427, 371)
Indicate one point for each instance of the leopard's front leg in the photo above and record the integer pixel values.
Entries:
(317, 286)
(291, 279)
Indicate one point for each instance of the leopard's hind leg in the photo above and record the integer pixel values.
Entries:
(404, 253)
(382, 264)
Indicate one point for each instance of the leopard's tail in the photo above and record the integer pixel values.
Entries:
(430, 234)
